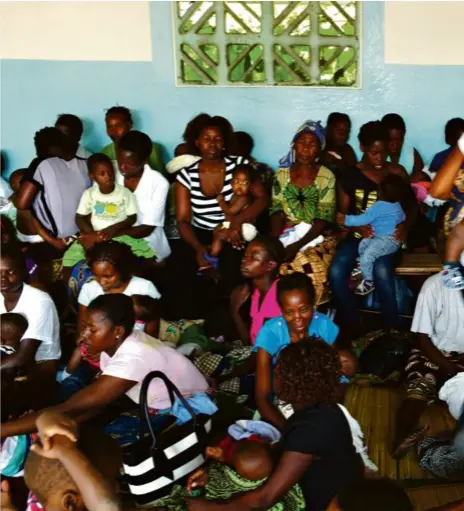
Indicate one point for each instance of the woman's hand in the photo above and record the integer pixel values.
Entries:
(58, 445)
(89, 240)
(50, 424)
(366, 231)
(239, 296)
(400, 233)
(199, 479)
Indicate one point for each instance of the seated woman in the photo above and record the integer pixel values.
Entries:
(316, 450)
(39, 351)
(304, 195)
(357, 190)
(296, 297)
(399, 151)
(453, 130)
(126, 357)
(338, 155)
(198, 211)
(437, 357)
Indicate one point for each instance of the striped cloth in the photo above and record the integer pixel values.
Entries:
(206, 212)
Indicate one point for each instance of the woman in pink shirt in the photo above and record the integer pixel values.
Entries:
(260, 264)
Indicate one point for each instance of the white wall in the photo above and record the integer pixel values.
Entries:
(112, 31)
(424, 33)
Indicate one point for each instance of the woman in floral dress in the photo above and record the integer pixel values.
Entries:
(304, 192)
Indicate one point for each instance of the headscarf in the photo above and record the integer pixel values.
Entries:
(314, 127)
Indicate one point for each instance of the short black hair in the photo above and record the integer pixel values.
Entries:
(138, 143)
(118, 309)
(296, 281)
(394, 122)
(118, 254)
(119, 110)
(47, 138)
(393, 188)
(373, 131)
(73, 123)
(273, 247)
(368, 494)
(16, 320)
(98, 158)
(242, 144)
(335, 117)
(453, 129)
(13, 252)
(246, 169)
(202, 121)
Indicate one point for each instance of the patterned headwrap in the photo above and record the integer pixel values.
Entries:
(313, 127)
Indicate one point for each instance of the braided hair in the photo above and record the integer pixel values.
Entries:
(117, 254)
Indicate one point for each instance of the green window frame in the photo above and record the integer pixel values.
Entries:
(263, 43)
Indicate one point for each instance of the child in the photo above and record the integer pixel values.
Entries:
(13, 327)
(242, 180)
(147, 315)
(104, 211)
(65, 472)
(384, 215)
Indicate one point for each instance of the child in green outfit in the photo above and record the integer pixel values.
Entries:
(105, 209)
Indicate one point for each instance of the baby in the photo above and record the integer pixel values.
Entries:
(105, 210)
(384, 216)
(242, 180)
(13, 327)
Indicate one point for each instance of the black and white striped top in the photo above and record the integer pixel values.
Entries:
(206, 212)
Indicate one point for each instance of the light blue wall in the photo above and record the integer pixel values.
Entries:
(34, 92)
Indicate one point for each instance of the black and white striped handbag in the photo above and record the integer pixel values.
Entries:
(154, 463)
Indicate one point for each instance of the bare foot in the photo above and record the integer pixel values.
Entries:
(409, 442)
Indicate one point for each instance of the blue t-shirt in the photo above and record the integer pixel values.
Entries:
(383, 216)
(274, 334)
(440, 158)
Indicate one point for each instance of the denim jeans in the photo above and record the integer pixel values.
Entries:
(371, 249)
(343, 263)
(79, 379)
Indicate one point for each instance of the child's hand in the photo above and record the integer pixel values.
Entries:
(341, 218)
(220, 197)
(50, 424)
(5, 497)
(198, 479)
(400, 233)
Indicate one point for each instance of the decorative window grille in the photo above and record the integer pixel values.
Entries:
(263, 43)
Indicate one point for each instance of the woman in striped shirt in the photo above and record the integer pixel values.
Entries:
(197, 209)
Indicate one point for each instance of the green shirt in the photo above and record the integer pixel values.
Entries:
(155, 161)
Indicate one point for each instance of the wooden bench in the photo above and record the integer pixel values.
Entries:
(419, 264)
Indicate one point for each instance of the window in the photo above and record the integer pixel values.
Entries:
(268, 43)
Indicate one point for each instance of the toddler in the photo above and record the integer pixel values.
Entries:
(384, 216)
(242, 180)
(105, 210)
(13, 326)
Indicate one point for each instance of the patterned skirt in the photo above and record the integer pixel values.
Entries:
(315, 263)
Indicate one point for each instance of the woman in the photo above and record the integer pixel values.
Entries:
(399, 151)
(198, 211)
(316, 449)
(357, 190)
(39, 351)
(296, 297)
(304, 192)
(126, 357)
(260, 264)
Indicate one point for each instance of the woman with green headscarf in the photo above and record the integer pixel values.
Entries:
(304, 200)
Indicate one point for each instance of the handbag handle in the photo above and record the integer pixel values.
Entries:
(172, 391)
